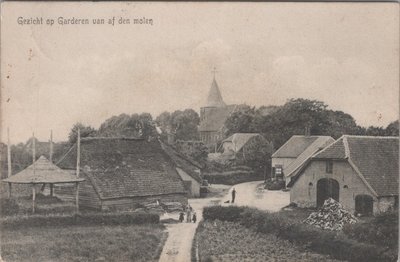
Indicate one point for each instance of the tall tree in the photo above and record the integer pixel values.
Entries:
(393, 128)
(85, 131)
(183, 124)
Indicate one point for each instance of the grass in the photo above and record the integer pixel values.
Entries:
(84, 243)
(229, 241)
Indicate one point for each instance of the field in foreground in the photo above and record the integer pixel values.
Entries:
(84, 243)
(229, 241)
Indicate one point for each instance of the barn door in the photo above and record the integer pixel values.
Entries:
(364, 205)
(326, 188)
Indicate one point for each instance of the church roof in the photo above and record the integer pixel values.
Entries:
(214, 96)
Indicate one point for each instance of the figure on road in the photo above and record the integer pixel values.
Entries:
(188, 214)
(233, 195)
(194, 218)
(181, 216)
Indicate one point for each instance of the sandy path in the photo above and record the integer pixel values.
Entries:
(180, 236)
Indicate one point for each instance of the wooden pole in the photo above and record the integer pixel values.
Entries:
(33, 148)
(33, 198)
(51, 146)
(77, 197)
(9, 190)
(8, 153)
(78, 160)
(51, 189)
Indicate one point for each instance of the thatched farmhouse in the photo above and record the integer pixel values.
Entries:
(188, 169)
(124, 173)
(292, 155)
(213, 116)
(360, 172)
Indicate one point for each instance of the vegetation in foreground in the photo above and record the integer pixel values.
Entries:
(353, 244)
(228, 241)
(84, 243)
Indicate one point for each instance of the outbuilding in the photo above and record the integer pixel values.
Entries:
(361, 172)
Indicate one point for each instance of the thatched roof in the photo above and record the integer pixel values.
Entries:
(43, 171)
(125, 167)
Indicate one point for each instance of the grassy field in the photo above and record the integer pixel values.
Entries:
(84, 243)
(228, 241)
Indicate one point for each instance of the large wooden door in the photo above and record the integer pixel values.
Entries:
(326, 188)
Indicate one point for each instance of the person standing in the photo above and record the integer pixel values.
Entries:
(181, 216)
(188, 214)
(194, 218)
(233, 195)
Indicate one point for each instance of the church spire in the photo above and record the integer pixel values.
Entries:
(214, 95)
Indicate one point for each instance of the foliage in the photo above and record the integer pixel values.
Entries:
(8, 207)
(231, 177)
(194, 150)
(89, 243)
(382, 230)
(85, 131)
(80, 219)
(183, 124)
(228, 241)
(393, 129)
(337, 245)
(135, 126)
(255, 154)
(275, 185)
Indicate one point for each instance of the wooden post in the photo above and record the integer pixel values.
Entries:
(33, 198)
(77, 197)
(9, 153)
(9, 190)
(33, 148)
(78, 160)
(51, 146)
(51, 189)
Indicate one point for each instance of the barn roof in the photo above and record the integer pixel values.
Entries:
(183, 162)
(376, 158)
(296, 145)
(214, 118)
(318, 144)
(240, 139)
(125, 167)
(43, 171)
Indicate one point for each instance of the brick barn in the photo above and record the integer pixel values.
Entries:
(360, 172)
(124, 173)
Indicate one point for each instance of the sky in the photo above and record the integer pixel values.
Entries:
(345, 54)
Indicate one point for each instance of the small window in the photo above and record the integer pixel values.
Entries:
(329, 167)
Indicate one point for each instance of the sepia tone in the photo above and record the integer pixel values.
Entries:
(215, 131)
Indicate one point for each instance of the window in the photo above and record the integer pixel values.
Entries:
(329, 167)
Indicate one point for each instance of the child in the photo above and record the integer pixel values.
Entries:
(194, 217)
(181, 216)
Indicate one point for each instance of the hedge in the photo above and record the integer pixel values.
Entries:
(231, 178)
(335, 244)
(80, 220)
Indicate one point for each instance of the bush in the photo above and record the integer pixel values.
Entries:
(335, 244)
(8, 207)
(275, 185)
(82, 220)
(231, 177)
(382, 230)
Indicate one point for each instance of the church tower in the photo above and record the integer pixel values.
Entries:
(214, 100)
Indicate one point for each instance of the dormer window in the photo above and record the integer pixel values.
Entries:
(329, 167)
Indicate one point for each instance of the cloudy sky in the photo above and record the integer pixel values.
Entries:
(345, 54)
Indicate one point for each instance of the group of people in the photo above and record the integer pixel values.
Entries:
(190, 215)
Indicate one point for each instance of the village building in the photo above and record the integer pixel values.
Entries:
(213, 116)
(360, 172)
(188, 169)
(239, 142)
(292, 155)
(124, 173)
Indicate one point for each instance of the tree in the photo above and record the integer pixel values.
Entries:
(135, 125)
(393, 129)
(183, 124)
(85, 131)
(241, 121)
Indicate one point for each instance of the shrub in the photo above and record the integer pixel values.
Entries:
(275, 185)
(382, 230)
(231, 177)
(335, 244)
(83, 220)
(8, 206)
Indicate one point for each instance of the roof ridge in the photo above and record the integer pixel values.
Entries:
(328, 146)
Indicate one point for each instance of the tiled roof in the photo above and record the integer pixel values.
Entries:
(183, 162)
(215, 118)
(240, 139)
(320, 143)
(376, 158)
(123, 167)
(296, 145)
(43, 171)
